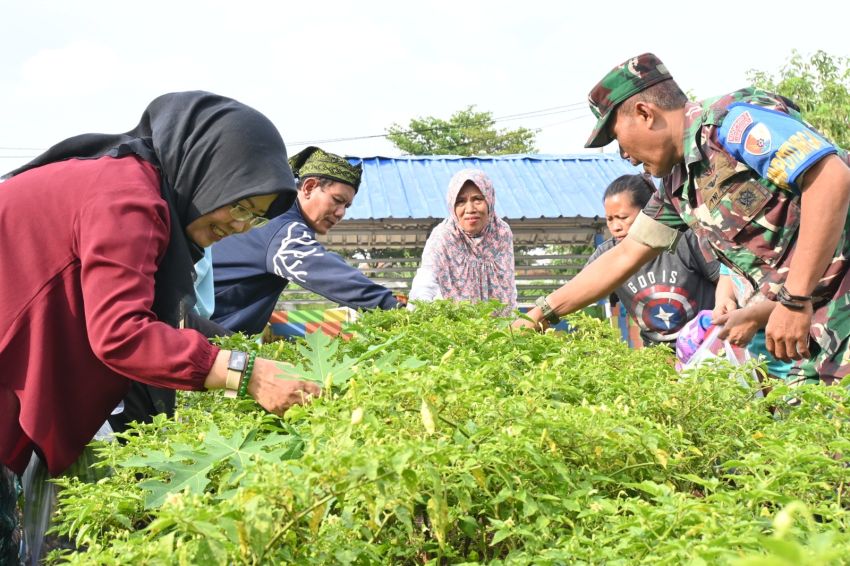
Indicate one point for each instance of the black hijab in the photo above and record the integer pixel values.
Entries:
(211, 151)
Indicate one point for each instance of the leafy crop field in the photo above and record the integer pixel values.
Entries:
(443, 437)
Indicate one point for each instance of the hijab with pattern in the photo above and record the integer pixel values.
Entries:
(476, 268)
(210, 151)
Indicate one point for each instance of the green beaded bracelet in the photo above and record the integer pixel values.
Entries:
(246, 377)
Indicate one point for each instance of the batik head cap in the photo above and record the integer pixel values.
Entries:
(313, 162)
(622, 82)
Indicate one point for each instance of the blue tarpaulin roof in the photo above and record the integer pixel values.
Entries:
(527, 186)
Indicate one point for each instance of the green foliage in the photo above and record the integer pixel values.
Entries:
(466, 133)
(188, 467)
(323, 367)
(820, 85)
(463, 441)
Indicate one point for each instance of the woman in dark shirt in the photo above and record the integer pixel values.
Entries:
(671, 289)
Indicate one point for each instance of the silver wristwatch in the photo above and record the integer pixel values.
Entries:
(548, 313)
(235, 369)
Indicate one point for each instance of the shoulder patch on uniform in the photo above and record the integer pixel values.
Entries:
(758, 141)
(738, 127)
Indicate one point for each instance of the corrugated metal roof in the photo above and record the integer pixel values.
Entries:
(527, 186)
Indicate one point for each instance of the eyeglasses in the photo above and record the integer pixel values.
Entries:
(242, 214)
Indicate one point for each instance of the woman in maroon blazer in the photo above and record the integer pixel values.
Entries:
(98, 237)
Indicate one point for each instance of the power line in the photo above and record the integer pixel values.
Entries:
(537, 115)
(574, 105)
(542, 112)
(532, 114)
(38, 149)
(565, 121)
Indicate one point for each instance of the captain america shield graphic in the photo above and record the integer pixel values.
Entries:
(662, 310)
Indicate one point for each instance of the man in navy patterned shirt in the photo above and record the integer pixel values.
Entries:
(251, 270)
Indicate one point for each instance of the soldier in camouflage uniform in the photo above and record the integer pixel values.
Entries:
(766, 191)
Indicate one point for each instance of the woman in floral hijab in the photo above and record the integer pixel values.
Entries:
(469, 256)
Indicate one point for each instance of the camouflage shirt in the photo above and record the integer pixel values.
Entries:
(737, 190)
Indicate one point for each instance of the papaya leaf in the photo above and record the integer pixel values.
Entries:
(188, 467)
(319, 351)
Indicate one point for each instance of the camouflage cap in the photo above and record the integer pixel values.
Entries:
(623, 81)
(313, 162)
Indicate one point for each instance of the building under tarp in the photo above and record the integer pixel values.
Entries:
(553, 204)
(546, 199)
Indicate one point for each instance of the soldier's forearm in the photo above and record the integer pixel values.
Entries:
(823, 211)
(602, 277)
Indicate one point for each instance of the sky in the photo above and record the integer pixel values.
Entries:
(333, 70)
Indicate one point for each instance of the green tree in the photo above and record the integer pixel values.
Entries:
(467, 132)
(820, 85)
